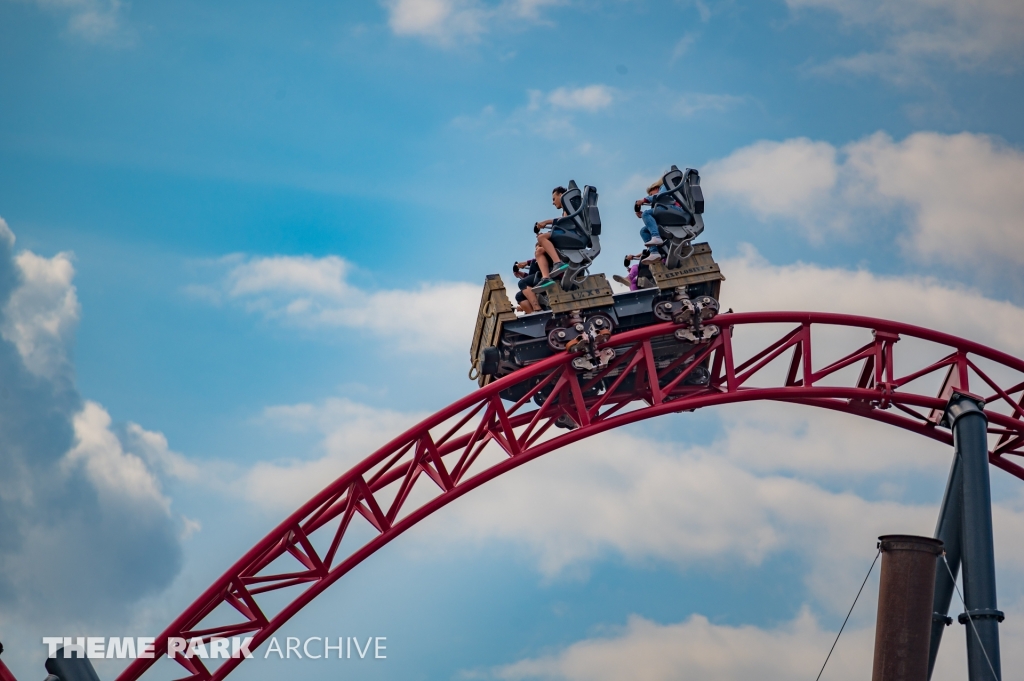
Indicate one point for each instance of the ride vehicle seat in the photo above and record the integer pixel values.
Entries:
(570, 232)
(669, 208)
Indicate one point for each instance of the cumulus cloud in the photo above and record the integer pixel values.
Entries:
(964, 192)
(350, 431)
(791, 179)
(755, 284)
(98, 21)
(693, 103)
(88, 530)
(446, 21)
(647, 651)
(968, 35)
(960, 195)
(314, 293)
(590, 98)
(40, 316)
(113, 472)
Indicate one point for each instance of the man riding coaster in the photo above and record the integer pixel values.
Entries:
(573, 242)
(544, 242)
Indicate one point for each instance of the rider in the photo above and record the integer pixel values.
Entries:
(544, 241)
(526, 298)
(632, 272)
(649, 232)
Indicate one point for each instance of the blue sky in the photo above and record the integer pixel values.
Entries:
(249, 242)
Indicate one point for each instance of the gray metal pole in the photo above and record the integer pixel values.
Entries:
(970, 440)
(947, 530)
(905, 595)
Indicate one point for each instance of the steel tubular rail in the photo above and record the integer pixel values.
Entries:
(445, 448)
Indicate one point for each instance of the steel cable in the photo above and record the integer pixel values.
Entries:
(970, 619)
(849, 613)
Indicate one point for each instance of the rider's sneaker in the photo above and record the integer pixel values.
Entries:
(652, 258)
(544, 283)
(557, 269)
(655, 241)
(621, 279)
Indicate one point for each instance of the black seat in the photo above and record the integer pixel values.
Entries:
(677, 212)
(671, 215)
(570, 231)
(674, 206)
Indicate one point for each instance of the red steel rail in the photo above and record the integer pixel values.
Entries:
(441, 457)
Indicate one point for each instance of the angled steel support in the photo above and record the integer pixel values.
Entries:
(947, 530)
(966, 416)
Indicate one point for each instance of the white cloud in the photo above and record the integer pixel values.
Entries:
(698, 507)
(315, 293)
(6, 235)
(754, 284)
(647, 651)
(695, 102)
(961, 195)
(439, 19)
(643, 650)
(290, 275)
(98, 21)
(968, 34)
(682, 46)
(115, 472)
(153, 448)
(70, 486)
(41, 315)
(590, 98)
(446, 21)
(965, 192)
(794, 178)
(351, 432)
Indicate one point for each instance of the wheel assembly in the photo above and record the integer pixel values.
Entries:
(558, 338)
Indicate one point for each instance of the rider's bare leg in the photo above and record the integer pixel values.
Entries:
(542, 261)
(531, 299)
(544, 241)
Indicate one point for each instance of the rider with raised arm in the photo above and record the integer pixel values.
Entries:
(649, 232)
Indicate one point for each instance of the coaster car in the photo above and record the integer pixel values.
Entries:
(581, 320)
(581, 312)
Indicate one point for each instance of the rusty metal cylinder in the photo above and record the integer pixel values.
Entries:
(905, 593)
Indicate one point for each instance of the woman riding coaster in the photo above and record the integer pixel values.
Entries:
(649, 232)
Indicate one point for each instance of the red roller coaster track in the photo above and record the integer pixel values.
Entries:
(441, 460)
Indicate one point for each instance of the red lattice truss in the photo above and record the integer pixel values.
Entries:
(480, 437)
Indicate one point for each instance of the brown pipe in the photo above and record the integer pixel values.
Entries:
(904, 626)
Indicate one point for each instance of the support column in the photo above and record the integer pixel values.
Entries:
(947, 530)
(965, 416)
(905, 594)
